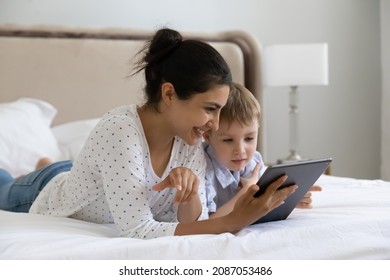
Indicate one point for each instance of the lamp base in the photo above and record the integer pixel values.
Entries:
(293, 156)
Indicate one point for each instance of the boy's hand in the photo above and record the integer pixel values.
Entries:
(184, 181)
(245, 183)
(306, 201)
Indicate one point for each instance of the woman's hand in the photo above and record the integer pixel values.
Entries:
(306, 201)
(249, 209)
(245, 183)
(184, 181)
(187, 199)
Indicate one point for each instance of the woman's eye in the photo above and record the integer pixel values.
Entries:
(210, 109)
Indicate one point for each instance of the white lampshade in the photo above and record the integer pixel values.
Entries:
(295, 65)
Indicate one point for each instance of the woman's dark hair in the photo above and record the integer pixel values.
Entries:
(192, 66)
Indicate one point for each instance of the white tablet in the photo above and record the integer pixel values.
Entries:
(302, 173)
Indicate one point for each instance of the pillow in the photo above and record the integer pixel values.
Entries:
(72, 136)
(25, 134)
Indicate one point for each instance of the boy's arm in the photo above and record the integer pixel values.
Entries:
(186, 199)
(189, 211)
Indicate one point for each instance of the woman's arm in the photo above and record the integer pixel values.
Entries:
(246, 211)
(245, 184)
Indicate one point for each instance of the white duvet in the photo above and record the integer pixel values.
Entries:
(350, 220)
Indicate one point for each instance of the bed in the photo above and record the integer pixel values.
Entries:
(56, 82)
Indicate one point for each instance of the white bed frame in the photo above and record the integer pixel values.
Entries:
(84, 72)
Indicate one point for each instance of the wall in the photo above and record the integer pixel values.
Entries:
(385, 36)
(341, 120)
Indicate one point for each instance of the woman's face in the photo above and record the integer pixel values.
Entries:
(191, 118)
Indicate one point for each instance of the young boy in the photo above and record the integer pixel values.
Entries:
(233, 163)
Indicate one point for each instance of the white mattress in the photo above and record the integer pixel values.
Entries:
(350, 220)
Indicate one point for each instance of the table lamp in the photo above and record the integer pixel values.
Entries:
(295, 65)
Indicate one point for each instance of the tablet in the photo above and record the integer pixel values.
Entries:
(302, 173)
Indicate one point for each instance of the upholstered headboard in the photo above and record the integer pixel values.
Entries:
(85, 72)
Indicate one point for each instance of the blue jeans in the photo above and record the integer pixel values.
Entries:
(17, 195)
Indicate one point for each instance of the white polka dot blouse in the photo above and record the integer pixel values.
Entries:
(111, 180)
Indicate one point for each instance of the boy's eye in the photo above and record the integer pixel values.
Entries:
(248, 139)
(227, 140)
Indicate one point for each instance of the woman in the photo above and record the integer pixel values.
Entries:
(143, 168)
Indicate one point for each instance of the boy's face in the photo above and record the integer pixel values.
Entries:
(235, 144)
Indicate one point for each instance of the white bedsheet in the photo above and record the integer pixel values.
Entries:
(350, 220)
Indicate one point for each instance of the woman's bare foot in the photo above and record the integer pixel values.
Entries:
(43, 162)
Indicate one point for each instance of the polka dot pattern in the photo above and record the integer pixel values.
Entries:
(111, 180)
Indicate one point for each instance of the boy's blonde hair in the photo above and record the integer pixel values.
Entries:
(241, 106)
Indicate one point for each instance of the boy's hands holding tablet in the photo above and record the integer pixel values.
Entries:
(306, 201)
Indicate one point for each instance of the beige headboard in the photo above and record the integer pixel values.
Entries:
(84, 72)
